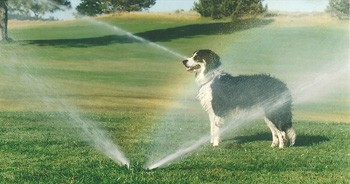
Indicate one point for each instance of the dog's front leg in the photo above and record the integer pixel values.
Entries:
(216, 136)
(214, 129)
(212, 125)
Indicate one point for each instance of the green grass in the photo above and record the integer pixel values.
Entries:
(38, 147)
(142, 97)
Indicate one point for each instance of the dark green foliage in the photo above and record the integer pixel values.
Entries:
(128, 5)
(38, 8)
(90, 7)
(226, 8)
(27, 7)
(95, 7)
(339, 7)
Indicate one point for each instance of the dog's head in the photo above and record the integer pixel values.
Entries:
(202, 61)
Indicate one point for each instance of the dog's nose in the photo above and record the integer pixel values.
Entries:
(184, 61)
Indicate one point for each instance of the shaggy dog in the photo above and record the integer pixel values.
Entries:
(222, 94)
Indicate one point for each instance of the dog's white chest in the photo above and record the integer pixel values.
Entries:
(205, 96)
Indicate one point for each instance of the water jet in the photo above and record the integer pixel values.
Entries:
(309, 88)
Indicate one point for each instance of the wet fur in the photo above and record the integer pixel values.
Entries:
(221, 94)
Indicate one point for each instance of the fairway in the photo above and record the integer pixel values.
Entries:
(61, 80)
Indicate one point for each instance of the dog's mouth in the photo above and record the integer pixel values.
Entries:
(190, 69)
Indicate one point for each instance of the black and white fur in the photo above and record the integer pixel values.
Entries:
(222, 94)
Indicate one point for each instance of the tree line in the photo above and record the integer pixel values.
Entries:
(86, 7)
(215, 9)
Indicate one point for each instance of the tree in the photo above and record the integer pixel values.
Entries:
(127, 5)
(26, 7)
(95, 7)
(226, 8)
(3, 20)
(37, 7)
(90, 7)
(339, 7)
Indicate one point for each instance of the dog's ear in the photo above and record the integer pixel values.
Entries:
(212, 61)
(214, 58)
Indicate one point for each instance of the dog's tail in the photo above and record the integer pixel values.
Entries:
(291, 136)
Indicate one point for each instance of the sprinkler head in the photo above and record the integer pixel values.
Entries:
(136, 167)
(151, 168)
(127, 166)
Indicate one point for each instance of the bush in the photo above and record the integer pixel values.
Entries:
(97, 7)
(90, 7)
(225, 8)
(339, 7)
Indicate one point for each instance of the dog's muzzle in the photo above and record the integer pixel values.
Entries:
(190, 68)
(185, 62)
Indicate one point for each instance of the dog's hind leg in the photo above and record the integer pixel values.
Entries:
(278, 137)
(280, 120)
(291, 135)
(274, 131)
(282, 139)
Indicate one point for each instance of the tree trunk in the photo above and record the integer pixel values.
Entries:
(3, 20)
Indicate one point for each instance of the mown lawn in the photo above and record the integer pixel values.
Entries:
(39, 147)
(145, 101)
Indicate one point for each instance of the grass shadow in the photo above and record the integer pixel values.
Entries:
(301, 141)
(263, 136)
(193, 30)
(83, 42)
(161, 35)
(309, 140)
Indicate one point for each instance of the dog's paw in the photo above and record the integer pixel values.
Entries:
(281, 146)
(216, 141)
(273, 145)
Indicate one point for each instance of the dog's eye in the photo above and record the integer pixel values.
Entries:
(196, 58)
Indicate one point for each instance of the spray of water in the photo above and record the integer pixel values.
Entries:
(119, 30)
(46, 92)
(235, 122)
(310, 90)
(301, 94)
(316, 86)
(305, 92)
(240, 119)
(140, 39)
(90, 131)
